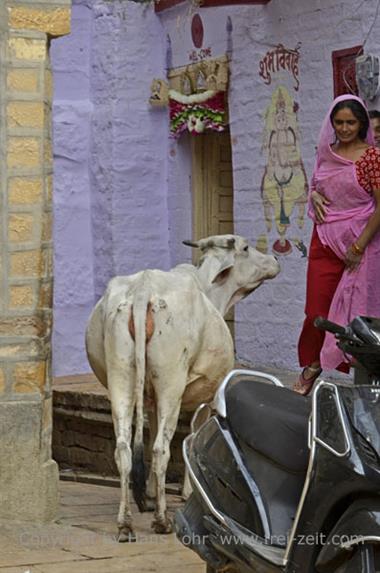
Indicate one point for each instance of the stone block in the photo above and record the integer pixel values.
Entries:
(45, 296)
(48, 153)
(47, 260)
(25, 114)
(55, 21)
(25, 325)
(23, 80)
(48, 85)
(49, 189)
(26, 264)
(17, 350)
(29, 49)
(23, 152)
(47, 414)
(21, 296)
(20, 228)
(2, 381)
(29, 488)
(28, 377)
(24, 190)
(68, 438)
(47, 227)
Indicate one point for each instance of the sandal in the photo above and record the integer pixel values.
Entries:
(304, 385)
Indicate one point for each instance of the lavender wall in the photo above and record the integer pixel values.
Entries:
(73, 241)
(123, 190)
(268, 322)
(110, 146)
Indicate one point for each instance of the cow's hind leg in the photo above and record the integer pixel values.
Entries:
(168, 408)
(151, 484)
(122, 414)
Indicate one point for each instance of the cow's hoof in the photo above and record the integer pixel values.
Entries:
(126, 535)
(162, 526)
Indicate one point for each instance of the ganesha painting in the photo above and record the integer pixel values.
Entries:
(284, 184)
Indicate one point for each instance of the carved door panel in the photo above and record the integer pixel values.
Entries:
(212, 186)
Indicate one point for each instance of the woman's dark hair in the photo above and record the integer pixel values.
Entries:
(359, 112)
(374, 114)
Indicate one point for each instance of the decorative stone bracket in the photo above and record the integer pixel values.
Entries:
(195, 95)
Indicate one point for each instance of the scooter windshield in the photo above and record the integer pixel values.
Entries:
(363, 407)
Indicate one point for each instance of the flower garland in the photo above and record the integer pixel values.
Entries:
(196, 112)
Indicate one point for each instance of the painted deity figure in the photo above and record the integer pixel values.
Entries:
(284, 184)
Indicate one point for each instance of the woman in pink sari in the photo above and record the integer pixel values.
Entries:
(343, 277)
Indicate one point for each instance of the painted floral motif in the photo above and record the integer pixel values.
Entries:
(368, 169)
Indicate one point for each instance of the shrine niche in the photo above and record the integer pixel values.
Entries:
(196, 96)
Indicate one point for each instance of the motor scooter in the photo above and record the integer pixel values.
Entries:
(284, 482)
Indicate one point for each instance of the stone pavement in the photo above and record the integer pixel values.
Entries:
(83, 539)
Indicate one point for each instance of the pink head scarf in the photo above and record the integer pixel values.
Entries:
(333, 175)
(327, 134)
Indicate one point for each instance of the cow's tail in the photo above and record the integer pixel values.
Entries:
(139, 310)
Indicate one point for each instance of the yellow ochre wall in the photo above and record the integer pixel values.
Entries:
(26, 28)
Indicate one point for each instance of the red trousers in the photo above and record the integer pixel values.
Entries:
(323, 275)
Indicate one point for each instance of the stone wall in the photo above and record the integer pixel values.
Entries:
(28, 476)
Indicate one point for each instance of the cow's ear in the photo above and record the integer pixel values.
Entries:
(224, 269)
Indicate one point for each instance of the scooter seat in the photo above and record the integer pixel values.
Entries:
(271, 420)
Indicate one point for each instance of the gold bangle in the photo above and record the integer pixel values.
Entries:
(356, 249)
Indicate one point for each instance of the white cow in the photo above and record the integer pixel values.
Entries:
(159, 338)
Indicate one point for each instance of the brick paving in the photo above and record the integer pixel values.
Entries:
(83, 538)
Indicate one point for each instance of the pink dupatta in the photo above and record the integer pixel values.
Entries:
(358, 292)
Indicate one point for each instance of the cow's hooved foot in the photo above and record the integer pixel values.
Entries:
(150, 503)
(162, 526)
(126, 535)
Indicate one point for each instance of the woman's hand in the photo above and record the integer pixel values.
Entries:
(319, 202)
(352, 260)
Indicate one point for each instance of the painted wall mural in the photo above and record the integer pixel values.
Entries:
(284, 184)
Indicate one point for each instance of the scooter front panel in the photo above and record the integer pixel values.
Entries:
(218, 467)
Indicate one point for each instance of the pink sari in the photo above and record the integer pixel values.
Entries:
(358, 292)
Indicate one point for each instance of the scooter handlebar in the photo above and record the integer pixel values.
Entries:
(324, 324)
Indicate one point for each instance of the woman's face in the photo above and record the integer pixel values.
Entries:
(346, 126)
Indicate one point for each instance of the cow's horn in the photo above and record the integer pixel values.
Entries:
(190, 244)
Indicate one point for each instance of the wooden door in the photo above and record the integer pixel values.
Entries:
(212, 187)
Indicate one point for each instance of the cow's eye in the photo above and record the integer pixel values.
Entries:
(246, 248)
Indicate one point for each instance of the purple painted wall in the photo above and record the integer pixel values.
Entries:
(268, 323)
(73, 240)
(123, 190)
(110, 189)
